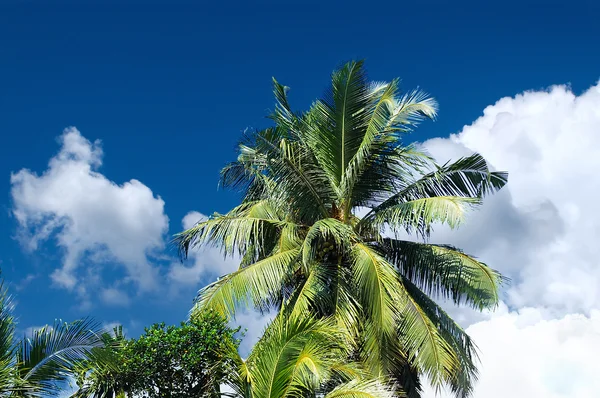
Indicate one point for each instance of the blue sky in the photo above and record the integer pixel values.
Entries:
(168, 89)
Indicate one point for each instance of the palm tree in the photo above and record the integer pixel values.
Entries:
(327, 195)
(101, 373)
(39, 365)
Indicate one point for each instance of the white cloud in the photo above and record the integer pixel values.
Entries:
(90, 216)
(526, 355)
(253, 324)
(115, 297)
(202, 263)
(542, 231)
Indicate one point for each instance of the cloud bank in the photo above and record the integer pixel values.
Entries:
(542, 231)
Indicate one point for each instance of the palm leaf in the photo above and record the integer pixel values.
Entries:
(446, 272)
(294, 356)
(246, 226)
(461, 381)
(467, 178)
(371, 388)
(419, 214)
(258, 281)
(47, 357)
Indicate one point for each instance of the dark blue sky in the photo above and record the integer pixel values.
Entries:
(169, 86)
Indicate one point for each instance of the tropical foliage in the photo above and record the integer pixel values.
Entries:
(186, 361)
(330, 197)
(297, 356)
(301, 356)
(40, 364)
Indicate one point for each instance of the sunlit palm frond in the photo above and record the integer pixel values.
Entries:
(420, 214)
(377, 284)
(370, 388)
(295, 355)
(256, 282)
(375, 138)
(411, 108)
(249, 225)
(336, 123)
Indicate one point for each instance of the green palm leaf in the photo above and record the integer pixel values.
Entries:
(446, 272)
(49, 355)
(259, 281)
(458, 185)
(295, 356)
(364, 389)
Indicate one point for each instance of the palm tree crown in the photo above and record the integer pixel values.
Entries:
(327, 195)
(41, 363)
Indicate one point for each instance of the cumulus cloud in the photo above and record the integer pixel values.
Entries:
(542, 229)
(203, 263)
(524, 354)
(542, 232)
(91, 217)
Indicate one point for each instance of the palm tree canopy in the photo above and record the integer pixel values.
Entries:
(39, 364)
(327, 195)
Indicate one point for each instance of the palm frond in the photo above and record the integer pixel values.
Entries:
(468, 178)
(420, 214)
(370, 388)
(101, 373)
(427, 348)
(337, 120)
(377, 287)
(8, 375)
(247, 226)
(446, 272)
(461, 382)
(294, 356)
(375, 133)
(258, 282)
(48, 356)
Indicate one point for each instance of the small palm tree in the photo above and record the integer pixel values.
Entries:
(101, 373)
(40, 364)
(327, 195)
